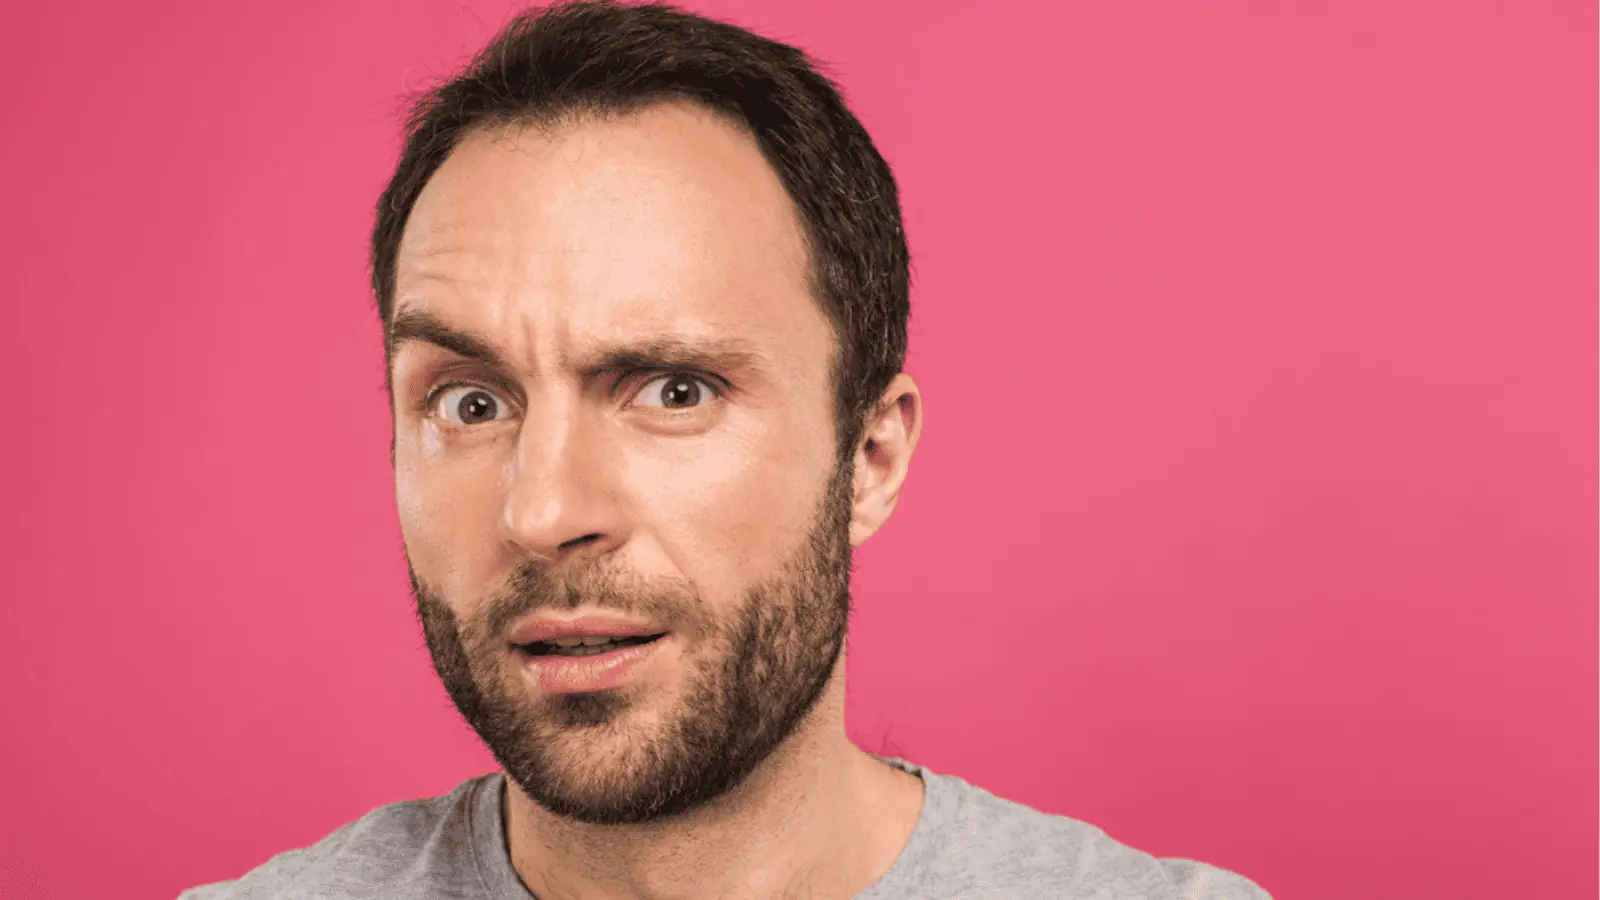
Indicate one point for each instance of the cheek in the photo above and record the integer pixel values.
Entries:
(448, 515)
(738, 510)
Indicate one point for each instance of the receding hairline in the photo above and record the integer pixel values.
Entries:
(584, 110)
(553, 125)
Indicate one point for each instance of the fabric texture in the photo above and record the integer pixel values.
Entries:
(968, 844)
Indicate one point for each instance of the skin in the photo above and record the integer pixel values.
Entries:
(553, 245)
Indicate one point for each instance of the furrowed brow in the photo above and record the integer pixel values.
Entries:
(715, 355)
(417, 326)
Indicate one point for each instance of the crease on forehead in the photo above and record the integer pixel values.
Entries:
(666, 347)
(446, 254)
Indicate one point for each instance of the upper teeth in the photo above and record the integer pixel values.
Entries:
(585, 641)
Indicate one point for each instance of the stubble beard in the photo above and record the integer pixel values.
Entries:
(748, 685)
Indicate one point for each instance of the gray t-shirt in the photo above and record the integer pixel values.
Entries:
(967, 844)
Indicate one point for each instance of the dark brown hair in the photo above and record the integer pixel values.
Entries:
(598, 58)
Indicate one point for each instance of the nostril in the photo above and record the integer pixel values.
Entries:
(580, 541)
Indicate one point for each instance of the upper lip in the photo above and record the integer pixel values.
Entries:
(549, 628)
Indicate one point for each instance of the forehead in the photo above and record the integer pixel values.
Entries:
(668, 218)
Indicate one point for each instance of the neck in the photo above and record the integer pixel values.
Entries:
(819, 817)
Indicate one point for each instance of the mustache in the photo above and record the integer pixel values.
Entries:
(534, 587)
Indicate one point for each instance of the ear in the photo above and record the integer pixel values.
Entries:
(883, 457)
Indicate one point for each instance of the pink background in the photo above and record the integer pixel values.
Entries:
(1255, 518)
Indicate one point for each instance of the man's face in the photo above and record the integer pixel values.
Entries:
(641, 427)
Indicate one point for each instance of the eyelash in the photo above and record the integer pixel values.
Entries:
(717, 387)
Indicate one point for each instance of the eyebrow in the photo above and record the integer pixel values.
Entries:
(656, 352)
(418, 326)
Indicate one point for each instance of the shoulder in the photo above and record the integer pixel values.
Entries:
(1027, 852)
(412, 843)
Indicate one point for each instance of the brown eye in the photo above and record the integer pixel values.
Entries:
(674, 392)
(468, 405)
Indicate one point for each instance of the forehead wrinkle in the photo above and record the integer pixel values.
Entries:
(502, 240)
(449, 240)
(666, 348)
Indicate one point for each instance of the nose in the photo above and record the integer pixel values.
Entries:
(559, 501)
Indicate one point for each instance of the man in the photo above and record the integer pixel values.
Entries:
(644, 290)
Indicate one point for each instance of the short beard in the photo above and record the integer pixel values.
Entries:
(778, 652)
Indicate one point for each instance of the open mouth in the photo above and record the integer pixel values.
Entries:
(586, 646)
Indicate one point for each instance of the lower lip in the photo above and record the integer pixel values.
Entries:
(596, 672)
